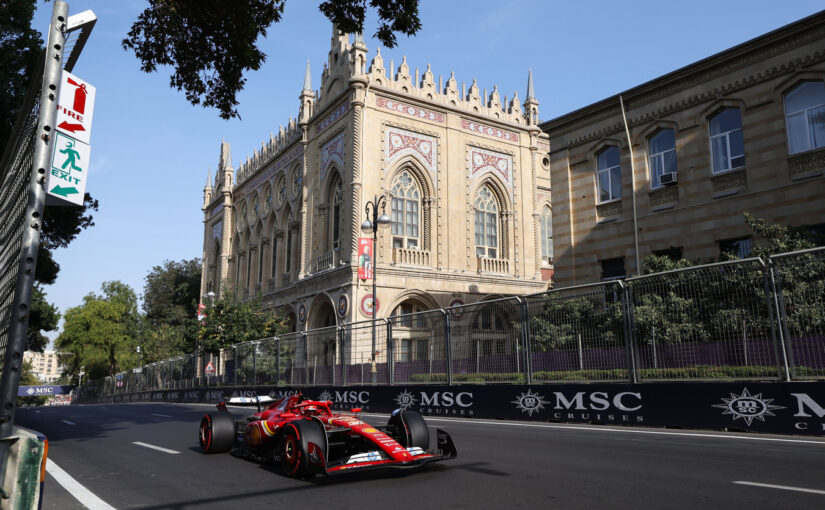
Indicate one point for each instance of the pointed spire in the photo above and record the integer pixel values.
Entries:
(209, 179)
(359, 38)
(530, 84)
(307, 79)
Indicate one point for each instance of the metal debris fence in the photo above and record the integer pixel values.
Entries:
(739, 320)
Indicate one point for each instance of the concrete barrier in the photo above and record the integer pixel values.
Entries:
(25, 470)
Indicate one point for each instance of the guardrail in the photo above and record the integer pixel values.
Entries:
(738, 320)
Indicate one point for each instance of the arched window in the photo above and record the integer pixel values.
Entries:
(411, 331)
(274, 254)
(662, 156)
(406, 212)
(805, 116)
(609, 175)
(486, 224)
(727, 145)
(261, 261)
(288, 247)
(546, 235)
(216, 256)
(336, 212)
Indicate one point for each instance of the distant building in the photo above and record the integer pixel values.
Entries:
(740, 131)
(465, 177)
(44, 365)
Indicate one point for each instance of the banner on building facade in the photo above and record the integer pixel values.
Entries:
(365, 254)
(773, 408)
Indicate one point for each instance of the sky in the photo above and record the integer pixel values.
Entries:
(151, 149)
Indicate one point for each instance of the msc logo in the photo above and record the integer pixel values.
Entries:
(529, 402)
(748, 407)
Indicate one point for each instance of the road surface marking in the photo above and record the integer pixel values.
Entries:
(158, 448)
(598, 428)
(79, 492)
(162, 415)
(783, 487)
(67, 422)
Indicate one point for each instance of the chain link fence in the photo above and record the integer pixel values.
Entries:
(738, 320)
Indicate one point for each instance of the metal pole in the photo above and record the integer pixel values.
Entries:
(655, 361)
(632, 187)
(373, 368)
(19, 312)
(745, 341)
(391, 355)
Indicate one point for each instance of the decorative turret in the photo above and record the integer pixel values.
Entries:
(531, 104)
(225, 166)
(207, 190)
(358, 54)
(307, 98)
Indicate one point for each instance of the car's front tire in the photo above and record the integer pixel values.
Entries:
(216, 433)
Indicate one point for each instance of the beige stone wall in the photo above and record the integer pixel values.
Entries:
(703, 208)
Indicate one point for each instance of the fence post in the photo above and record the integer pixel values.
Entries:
(525, 341)
(449, 347)
(784, 342)
(390, 354)
(277, 361)
(629, 330)
(342, 342)
(306, 357)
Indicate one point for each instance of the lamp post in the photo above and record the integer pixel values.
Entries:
(372, 224)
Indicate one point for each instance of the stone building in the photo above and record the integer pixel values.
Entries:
(464, 173)
(740, 131)
(45, 365)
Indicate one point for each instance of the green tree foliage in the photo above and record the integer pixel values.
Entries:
(230, 321)
(212, 43)
(170, 301)
(101, 334)
(43, 317)
(20, 49)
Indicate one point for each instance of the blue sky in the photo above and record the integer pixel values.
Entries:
(151, 149)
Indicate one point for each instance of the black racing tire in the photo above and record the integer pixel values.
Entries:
(216, 433)
(293, 456)
(411, 429)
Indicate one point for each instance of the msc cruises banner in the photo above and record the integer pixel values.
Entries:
(43, 391)
(782, 408)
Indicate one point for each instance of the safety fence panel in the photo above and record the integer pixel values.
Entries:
(800, 282)
(418, 343)
(365, 353)
(487, 342)
(323, 356)
(578, 334)
(705, 322)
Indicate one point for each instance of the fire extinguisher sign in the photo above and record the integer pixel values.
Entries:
(75, 107)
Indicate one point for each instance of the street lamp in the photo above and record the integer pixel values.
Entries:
(372, 225)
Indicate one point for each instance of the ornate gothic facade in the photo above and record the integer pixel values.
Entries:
(465, 175)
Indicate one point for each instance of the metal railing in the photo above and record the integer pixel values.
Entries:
(737, 320)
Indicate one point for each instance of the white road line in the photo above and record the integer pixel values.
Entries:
(158, 448)
(598, 428)
(782, 487)
(79, 492)
(162, 415)
(67, 422)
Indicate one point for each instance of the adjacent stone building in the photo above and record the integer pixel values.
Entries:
(464, 173)
(740, 131)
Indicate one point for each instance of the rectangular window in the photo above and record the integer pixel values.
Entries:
(288, 256)
(397, 216)
(492, 235)
(739, 248)
(613, 269)
(274, 255)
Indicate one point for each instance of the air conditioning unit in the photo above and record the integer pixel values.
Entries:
(669, 179)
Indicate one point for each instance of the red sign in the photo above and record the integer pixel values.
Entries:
(210, 369)
(201, 311)
(369, 305)
(75, 107)
(365, 258)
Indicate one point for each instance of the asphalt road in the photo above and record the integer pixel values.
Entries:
(500, 465)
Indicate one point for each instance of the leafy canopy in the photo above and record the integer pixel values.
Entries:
(212, 43)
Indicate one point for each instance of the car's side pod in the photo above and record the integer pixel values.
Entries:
(444, 443)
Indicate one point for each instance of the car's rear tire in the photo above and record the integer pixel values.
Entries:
(216, 433)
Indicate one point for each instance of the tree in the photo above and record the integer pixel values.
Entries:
(43, 317)
(212, 43)
(101, 334)
(20, 49)
(230, 321)
(170, 300)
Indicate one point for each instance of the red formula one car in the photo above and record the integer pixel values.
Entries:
(307, 438)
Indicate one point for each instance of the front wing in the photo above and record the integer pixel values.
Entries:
(445, 449)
